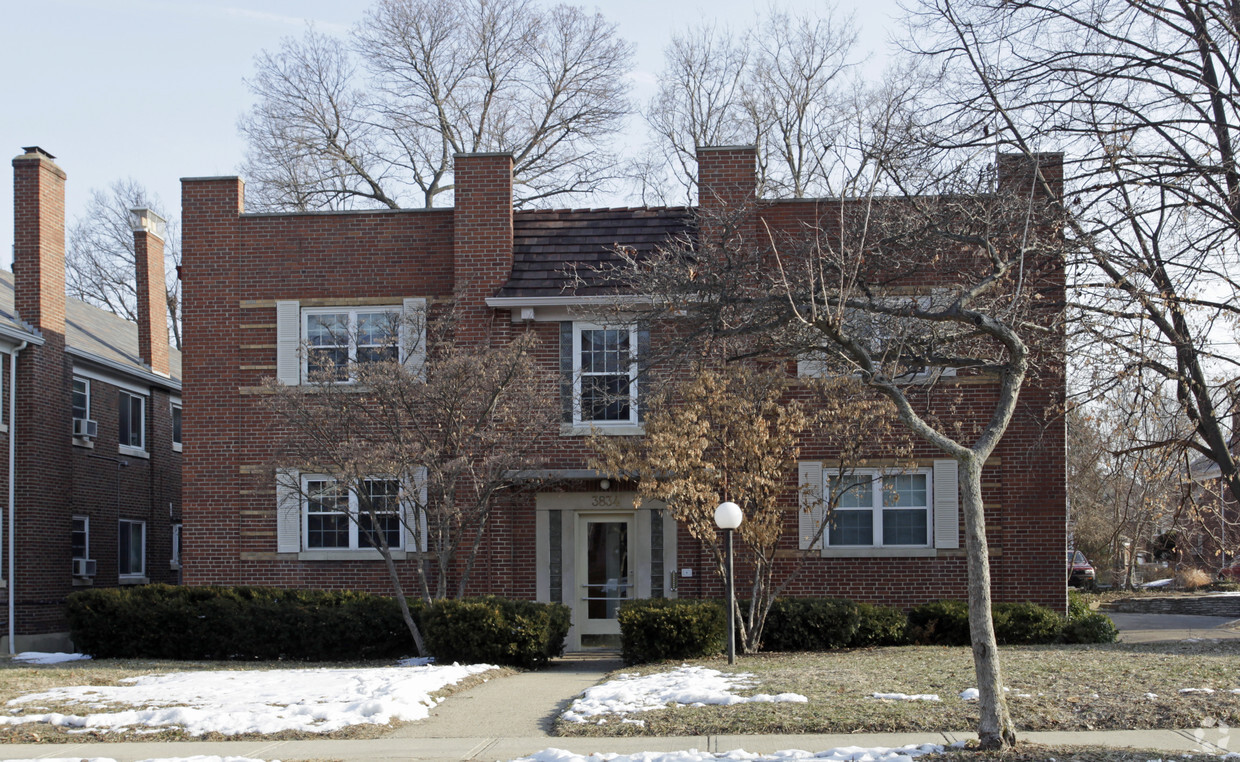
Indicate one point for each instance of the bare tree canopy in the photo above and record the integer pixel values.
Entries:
(780, 86)
(100, 260)
(1145, 98)
(439, 77)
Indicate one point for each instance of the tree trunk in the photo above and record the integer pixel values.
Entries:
(405, 614)
(994, 729)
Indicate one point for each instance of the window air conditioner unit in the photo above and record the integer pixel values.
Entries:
(84, 567)
(85, 428)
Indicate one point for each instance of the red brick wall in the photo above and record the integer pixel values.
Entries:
(236, 266)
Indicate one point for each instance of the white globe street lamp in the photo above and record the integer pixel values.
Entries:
(728, 516)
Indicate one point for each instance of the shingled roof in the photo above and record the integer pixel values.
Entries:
(94, 332)
(553, 248)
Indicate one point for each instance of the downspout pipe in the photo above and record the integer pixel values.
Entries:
(12, 493)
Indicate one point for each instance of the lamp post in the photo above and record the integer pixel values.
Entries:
(728, 517)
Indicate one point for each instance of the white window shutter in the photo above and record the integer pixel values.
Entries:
(288, 342)
(288, 511)
(946, 504)
(415, 542)
(811, 508)
(413, 347)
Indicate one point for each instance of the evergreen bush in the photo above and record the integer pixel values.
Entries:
(879, 626)
(809, 624)
(495, 630)
(655, 629)
(1026, 624)
(196, 623)
(942, 623)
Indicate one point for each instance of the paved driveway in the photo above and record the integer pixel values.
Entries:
(1148, 628)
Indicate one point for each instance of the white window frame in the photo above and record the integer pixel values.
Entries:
(579, 374)
(394, 310)
(355, 545)
(86, 531)
(138, 450)
(175, 407)
(876, 490)
(130, 576)
(80, 441)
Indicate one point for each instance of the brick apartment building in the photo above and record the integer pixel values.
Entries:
(257, 285)
(90, 424)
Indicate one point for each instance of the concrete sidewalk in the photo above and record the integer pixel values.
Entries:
(499, 747)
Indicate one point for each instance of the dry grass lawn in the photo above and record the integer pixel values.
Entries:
(1063, 687)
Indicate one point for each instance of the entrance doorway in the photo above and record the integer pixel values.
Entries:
(596, 550)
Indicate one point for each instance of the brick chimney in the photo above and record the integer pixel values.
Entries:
(148, 248)
(39, 241)
(727, 192)
(482, 237)
(1017, 173)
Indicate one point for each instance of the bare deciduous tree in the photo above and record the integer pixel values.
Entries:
(1145, 98)
(441, 78)
(100, 261)
(898, 292)
(780, 87)
(423, 448)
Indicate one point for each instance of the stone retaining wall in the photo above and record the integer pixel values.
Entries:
(1205, 605)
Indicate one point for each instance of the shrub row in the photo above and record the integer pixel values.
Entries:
(195, 623)
(655, 630)
(946, 623)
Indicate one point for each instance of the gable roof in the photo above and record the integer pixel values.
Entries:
(94, 334)
(558, 252)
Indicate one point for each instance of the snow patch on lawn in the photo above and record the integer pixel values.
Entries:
(906, 696)
(255, 701)
(43, 657)
(839, 754)
(687, 686)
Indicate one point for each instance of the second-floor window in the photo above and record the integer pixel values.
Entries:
(176, 426)
(605, 375)
(336, 338)
(81, 398)
(132, 421)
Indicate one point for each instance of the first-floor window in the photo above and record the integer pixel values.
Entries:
(881, 509)
(131, 548)
(337, 518)
(176, 545)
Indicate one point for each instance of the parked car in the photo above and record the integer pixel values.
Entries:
(1080, 570)
(1230, 572)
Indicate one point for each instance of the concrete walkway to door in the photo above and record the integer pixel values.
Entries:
(522, 705)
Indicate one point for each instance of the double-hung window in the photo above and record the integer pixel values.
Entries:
(605, 375)
(336, 338)
(79, 538)
(132, 422)
(174, 410)
(337, 518)
(131, 550)
(877, 509)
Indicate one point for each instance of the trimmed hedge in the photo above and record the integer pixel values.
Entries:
(1026, 623)
(655, 629)
(942, 623)
(495, 630)
(879, 626)
(810, 624)
(195, 623)
(946, 623)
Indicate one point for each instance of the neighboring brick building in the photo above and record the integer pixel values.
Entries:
(93, 475)
(257, 286)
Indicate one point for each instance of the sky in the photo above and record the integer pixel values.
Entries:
(152, 89)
